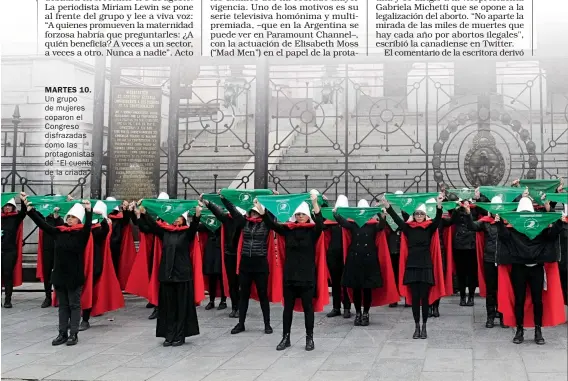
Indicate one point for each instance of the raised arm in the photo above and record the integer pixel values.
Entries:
(273, 225)
(318, 219)
(343, 222)
(237, 216)
(88, 220)
(475, 226)
(382, 223)
(396, 218)
(38, 219)
(23, 209)
(193, 226)
(436, 221)
(217, 212)
(151, 225)
(101, 233)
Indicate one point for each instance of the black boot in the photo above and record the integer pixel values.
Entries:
(347, 313)
(210, 306)
(436, 311)
(150, 305)
(73, 339)
(358, 319)
(268, 329)
(423, 334)
(538, 335)
(490, 323)
(8, 301)
(47, 301)
(285, 343)
(470, 302)
(178, 342)
(393, 305)
(416, 331)
(365, 319)
(234, 314)
(519, 336)
(154, 314)
(84, 326)
(238, 329)
(462, 301)
(334, 312)
(501, 322)
(222, 305)
(310, 342)
(431, 311)
(167, 343)
(60, 339)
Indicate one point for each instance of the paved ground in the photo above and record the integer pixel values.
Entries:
(121, 346)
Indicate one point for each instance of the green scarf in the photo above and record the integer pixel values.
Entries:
(539, 187)
(558, 197)
(327, 213)
(168, 210)
(210, 221)
(507, 194)
(390, 221)
(45, 204)
(409, 202)
(8, 196)
(464, 194)
(360, 215)
(498, 208)
(244, 199)
(530, 224)
(284, 206)
(215, 199)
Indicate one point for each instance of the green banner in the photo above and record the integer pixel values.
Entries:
(244, 199)
(498, 208)
(284, 206)
(168, 210)
(45, 204)
(359, 215)
(409, 202)
(210, 221)
(215, 199)
(390, 221)
(8, 196)
(507, 194)
(530, 224)
(327, 213)
(539, 187)
(464, 194)
(558, 197)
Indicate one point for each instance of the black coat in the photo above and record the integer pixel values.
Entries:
(463, 238)
(48, 240)
(99, 239)
(418, 240)
(300, 262)
(117, 228)
(176, 264)
(231, 231)
(491, 234)
(10, 225)
(563, 246)
(68, 264)
(520, 249)
(212, 264)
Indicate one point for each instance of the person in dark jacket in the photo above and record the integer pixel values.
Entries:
(213, 266)
(48, 247)
(488, 227)
(526, 271)
(177, 315)
(299, 267)
(231, 240)
(120, 218)
(253, 266)
(11, 223)
(362, 271)
(68, 275)
(465, 258)
(99, 234)
(334, 258)
(419, 274)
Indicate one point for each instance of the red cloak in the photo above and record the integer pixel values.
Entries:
(322, 297)
(274, 268)
(387, 294)
(203, 236)
(479, 249)
(552, 298)
(17, 277)
(39, 264)
(327, 240)
(127, 252)
(87, 291)
(139, 278)
(448, 236)
(195, 254)
(107, 294)
(438, 290)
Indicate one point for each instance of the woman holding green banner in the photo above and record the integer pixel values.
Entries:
(12, 228)
(362, 271)
(532, 262)
(421, 261)
(177, 315)
(302, 255)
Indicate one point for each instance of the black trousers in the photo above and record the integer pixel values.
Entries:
(260, 280)
(366, 294)
(522, 275)
(9, 258)
(233, 278)
(338, 293)
(47, 270)
(466, 268)
(306, 294)
(395, 259)
(490, 271)
(214, 280)
(420, 292)
(69, 308)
